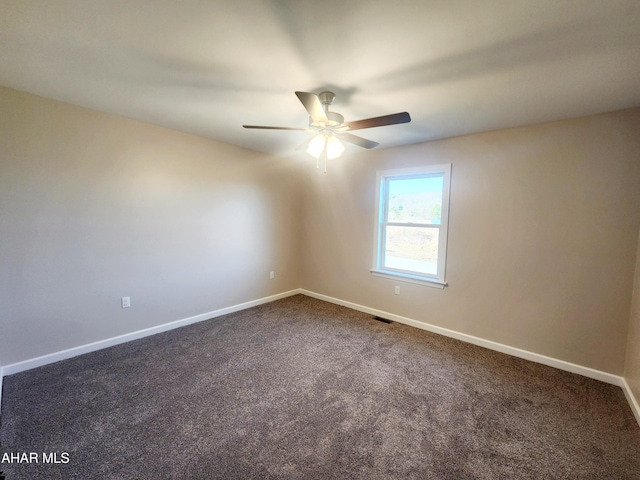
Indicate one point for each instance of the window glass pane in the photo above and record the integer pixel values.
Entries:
(415, 200)
(412, 248)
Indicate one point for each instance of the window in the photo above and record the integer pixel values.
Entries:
(411, 224)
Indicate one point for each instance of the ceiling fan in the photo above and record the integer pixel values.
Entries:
(330, 127)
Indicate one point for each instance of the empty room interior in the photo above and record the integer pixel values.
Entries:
(292, 239)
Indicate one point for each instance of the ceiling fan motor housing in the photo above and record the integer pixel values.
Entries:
(335, 118)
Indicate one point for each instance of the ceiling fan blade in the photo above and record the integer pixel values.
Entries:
(359, 141)
(274, 128)
(393, 119)
(313, 105)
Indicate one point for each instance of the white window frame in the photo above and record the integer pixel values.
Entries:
(381, 222)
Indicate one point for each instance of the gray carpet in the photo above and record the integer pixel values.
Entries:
(300, 388)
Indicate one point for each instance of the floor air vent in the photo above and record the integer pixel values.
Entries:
(383, 320)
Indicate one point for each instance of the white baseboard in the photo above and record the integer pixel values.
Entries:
(516, 352)
(499, 347)
(633, 401)
(91, 347)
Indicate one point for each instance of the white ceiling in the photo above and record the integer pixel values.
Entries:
(207, 67)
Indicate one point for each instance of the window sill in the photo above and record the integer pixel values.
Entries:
(403, 277)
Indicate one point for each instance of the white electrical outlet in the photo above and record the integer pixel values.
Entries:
(272, 275)
(397, 290)
(126, 302)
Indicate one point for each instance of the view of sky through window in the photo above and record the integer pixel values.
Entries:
(415, 200)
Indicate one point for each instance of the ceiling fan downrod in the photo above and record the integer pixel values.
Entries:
(326, 98)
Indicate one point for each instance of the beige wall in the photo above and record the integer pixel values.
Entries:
(543, 233)
(632, 365)
(94, 207)
(542, 242)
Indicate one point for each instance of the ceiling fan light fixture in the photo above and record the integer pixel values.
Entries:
(323, 142)
(316, 146)
(334, 147)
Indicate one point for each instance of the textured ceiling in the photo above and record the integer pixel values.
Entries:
(207, 67)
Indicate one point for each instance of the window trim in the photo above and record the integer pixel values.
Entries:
(382, 179)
